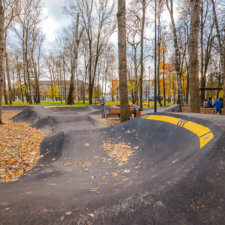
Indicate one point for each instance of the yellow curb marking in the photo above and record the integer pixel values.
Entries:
(64, 106)
(204, 134)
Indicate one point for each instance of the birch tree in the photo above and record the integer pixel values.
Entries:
(1, 56)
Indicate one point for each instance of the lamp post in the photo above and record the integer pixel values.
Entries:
(155, 89)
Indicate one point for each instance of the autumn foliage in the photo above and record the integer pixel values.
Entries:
(19, 148)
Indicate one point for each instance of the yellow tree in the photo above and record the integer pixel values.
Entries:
(114, 87)
(98, 92)
(131, 89)
(53, 92)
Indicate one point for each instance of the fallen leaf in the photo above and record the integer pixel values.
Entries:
(91, 215)
(115, 174)
(68, 213)
(126, 171)
(19, 148)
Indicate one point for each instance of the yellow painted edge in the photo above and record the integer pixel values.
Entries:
(204, 134)
(64, 106)
(206, 139)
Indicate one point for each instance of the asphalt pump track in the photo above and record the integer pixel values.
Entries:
(175, 176)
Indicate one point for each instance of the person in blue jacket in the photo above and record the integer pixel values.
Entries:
(217, 105)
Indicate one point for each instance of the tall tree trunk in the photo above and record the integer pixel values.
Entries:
(36, 79)
(90, 89)
(202, 58)
(159, 59)
(64, 78)
(24, 66)
(142, 52)
(5, 91)
(164, 84)
(20, 83)
(136, 75)
(177, 53)
(121, 17)
(224, 79)
(193, 57)
(188, 84)
(70, 99)
(1, 56)
(37, 87)
(8, 76)
(27, 69)
(84, 84)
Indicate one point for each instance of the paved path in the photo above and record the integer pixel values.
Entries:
(171, 177)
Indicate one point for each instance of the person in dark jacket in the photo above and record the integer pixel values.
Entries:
(221, 99)
(103, 106)
(210, 103)
(217, 106)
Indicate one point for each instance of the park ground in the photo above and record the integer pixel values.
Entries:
(66, 165)
(20, 103)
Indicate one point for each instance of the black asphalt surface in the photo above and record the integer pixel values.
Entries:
(171, 180)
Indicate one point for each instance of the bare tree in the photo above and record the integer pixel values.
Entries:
(77, 37)
(11, 8)
(121, 17)
(1, 56)
(142, 51)
(169, 4)
(193, 56)
(35, 57)
(134, 27)
(98, 22)
(134, 56)
(221, 47)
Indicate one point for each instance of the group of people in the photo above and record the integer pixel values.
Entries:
(218, 104)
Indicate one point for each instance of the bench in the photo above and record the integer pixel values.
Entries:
(202, 110)
(115, 111)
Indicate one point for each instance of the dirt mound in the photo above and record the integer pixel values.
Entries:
(47, 124)
(29, 115)
(52, 147)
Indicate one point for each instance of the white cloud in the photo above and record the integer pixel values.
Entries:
(54, 19)
(49, 26)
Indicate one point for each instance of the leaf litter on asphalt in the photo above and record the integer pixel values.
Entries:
(19, 148)
(120, 152)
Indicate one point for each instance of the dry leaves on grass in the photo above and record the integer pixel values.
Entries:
(107, 122)
(121, 152)
(112, 122)
(19, 148)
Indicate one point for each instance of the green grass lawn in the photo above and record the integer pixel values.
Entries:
(20, 103)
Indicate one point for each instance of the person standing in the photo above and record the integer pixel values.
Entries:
(210, 103)
(205, 104)
(221, 99)
(217, 106)
(103, 106)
